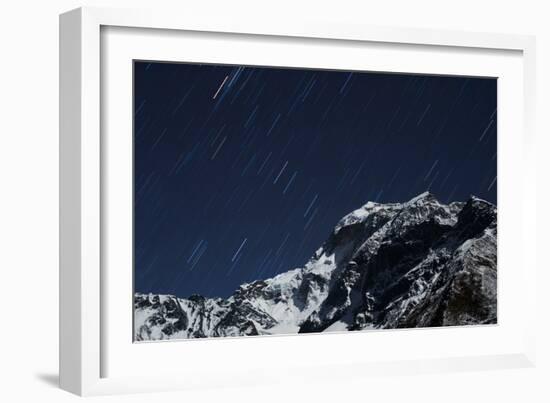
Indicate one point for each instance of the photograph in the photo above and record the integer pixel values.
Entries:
(283, 200)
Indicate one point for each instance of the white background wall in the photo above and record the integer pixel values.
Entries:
(29, 201)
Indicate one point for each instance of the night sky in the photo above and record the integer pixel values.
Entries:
(242, 172)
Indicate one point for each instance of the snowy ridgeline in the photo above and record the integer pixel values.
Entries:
(399, 265)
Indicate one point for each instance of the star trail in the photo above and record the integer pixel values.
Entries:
(240, 172)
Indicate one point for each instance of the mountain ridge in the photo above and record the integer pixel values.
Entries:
(415, 264)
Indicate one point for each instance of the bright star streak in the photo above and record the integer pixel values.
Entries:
(238, 250)
(280, 173)
(220, 88)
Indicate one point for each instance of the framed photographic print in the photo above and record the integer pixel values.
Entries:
(296, 196)
(271, 201)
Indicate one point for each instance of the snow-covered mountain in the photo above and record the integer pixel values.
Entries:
(398, 265)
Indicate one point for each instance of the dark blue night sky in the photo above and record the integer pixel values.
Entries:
(242, 172)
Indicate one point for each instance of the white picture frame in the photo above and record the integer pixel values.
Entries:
(96, 352)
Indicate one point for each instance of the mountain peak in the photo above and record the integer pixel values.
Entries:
(426, 196)
(475, 199)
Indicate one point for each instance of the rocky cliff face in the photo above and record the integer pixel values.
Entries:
(400, 265)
